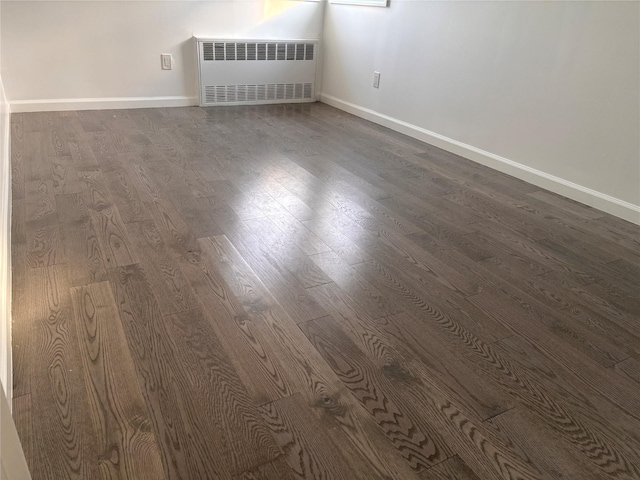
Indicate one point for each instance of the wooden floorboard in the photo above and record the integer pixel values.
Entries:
(290, 292)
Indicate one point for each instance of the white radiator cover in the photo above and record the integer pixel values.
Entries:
(253, 72)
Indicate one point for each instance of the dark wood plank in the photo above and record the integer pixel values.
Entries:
(167, 281)
(85, 254)
(630, 368)
(291, 256)
(125, 196)
(126, 442)
(65, 176)
(40, 201)
(355, 285)
(542, 447)
(397, 250)
(23, 286)
(590, 409)
(278, 469)
(113, 237)
(18, 222)
(352, 429)
(179, 421)
(617, 390)
(44, 246)
(207, 367)
(17, 157)
(71, 208)
(250, 353)
(306, 240)
(339, 243)
(431, 302)
(64, 445)
(307, 448)
(403, 347)
(413, 412)
(452, 468)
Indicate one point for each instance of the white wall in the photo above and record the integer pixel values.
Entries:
(111, 49)
(5, 241)
(547, 91)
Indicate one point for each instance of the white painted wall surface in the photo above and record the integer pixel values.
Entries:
(57, 50)
(5, 252)
(6, 378)
(551, 86)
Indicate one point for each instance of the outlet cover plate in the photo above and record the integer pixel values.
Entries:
(167, 61)
(376, 79)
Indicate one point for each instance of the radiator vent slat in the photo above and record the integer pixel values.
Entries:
(251, 51)
(216, 94)
(219, 48)
(207, 51)
(241, 51)
(271, 51)
(231, 51)
(262, 51)
(291, 51)
(257, 51)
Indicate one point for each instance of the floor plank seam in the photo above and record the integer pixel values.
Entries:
(262, 464)
(619, 362)
(498, 414)
(15, 397)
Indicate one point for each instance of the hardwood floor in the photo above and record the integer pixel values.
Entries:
(288, 291)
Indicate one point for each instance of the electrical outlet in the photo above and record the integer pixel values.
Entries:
(376, 79)
(167, 61)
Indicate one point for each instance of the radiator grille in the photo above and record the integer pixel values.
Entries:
(239, 51)
(250, 71)
(215, 94)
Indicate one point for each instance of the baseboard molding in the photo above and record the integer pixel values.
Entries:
(64, 104)
(588, 196)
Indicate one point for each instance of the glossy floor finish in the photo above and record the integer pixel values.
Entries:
(284, 292)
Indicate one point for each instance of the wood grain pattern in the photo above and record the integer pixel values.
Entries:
(17, 157)
(126, 442)
(23, 285)
(112, 237)
(208, 369)
(275, 470)
(44, 246)
(288, 291)
(541, 447)
(452, 468)
(64, 444)
(167, 281)
(353, 430)
(177, 417)
(308, 450)
(406, 403)
(252, 355)
(85, 256)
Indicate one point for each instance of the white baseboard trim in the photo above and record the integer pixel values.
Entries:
(588, 196)
(64, 104)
